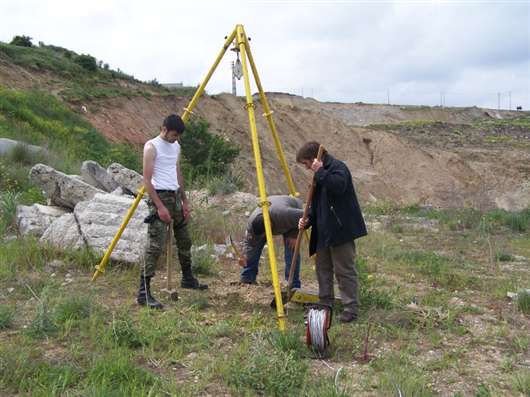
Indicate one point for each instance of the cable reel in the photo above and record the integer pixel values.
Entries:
(318, 321)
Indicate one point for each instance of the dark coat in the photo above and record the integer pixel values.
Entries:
(335, 215)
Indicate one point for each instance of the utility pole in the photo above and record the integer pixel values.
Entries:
(510, 100)
(498, 101)
(234, 91)
(388, 95)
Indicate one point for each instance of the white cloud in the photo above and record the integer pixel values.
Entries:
(337, 50)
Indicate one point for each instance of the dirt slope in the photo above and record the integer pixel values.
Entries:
(386, 165)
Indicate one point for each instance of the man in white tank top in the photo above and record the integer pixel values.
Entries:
(167, 202)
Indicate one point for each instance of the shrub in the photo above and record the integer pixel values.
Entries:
(206, 154)
(22, 41)
(6, 316)
(124, 333)
(87, 62)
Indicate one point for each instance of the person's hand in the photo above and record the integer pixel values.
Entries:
(291, 243)
(242, 261)
(164, 215)
(302, 223)
(315, 166)
(186, 209)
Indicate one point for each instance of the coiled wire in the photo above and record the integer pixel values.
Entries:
(317, 326)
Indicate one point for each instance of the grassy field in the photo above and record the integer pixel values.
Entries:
(433, 294)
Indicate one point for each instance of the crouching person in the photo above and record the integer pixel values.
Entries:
(285, 212)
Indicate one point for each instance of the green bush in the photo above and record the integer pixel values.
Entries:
(206, 155)
(87, 62)
(124, 332)
(22, 41)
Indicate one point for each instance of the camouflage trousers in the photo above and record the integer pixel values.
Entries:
(157, 234)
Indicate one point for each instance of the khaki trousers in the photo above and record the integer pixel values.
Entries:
(339, 260)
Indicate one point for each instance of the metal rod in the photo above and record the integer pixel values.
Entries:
(243, 44)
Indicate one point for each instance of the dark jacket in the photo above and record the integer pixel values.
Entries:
(335, 215)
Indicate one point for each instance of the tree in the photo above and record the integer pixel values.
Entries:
(22, 41)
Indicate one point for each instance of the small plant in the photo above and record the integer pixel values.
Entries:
(8, 209)
(42, 324)
(124, 333)
(224, 184)
(73, 308)
(115, 374)
(204, 260)
(523, 301)
(258, 369)
(504, 257)
(521, 382)
(6, 316)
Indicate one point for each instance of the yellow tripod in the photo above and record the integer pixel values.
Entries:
(240, 40)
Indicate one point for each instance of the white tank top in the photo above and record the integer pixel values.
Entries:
(165, 167)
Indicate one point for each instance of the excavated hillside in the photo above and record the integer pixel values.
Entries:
(446, 157)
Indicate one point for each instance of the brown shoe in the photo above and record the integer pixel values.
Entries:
(347, 316)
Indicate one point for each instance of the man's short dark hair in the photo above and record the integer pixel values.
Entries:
(173, 122)
(308, 152)
(258, 225)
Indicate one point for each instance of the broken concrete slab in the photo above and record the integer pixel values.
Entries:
(7, 145)
(63, 233)
(126, 178)
(35, 219)
(97, 176)
(62, 190)
(94, 224)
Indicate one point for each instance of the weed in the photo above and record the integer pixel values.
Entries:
(521, 382)
(204, 260)
(397, 375)
(254, 367)
(504, 257)
(223, 184)
(43, 324)
(23, 371)
(73, 308)
(523, 301)
(8, 208)
(483, 391)
(114, 374)
(124, 332)
(7, 314)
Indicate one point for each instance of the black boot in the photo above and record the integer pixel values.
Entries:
(190, 282)
(144, 294)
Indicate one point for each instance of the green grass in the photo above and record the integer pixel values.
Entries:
(260, 367)
(7, 314)
(41, 119)
(523, 302)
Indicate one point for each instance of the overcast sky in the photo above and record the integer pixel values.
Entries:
(413, 52)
